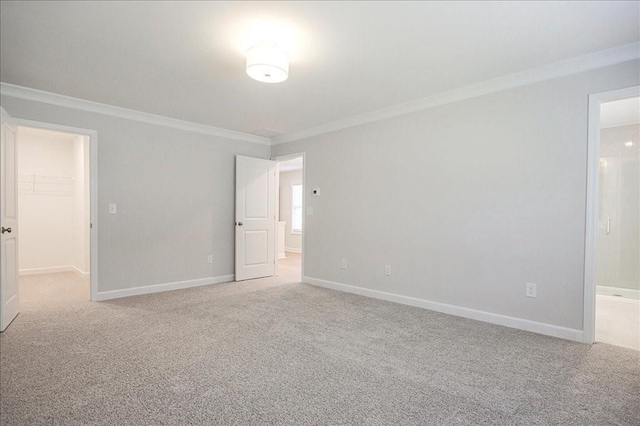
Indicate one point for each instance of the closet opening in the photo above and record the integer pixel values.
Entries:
(54, 216)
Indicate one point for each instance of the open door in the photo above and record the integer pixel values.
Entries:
(9, 295)
(255, 217)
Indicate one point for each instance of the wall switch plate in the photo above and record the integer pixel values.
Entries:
(315, 192)
(343, 265)
(113, 208)
(387, 269)
(309, 211)
(531, 290)
(210, 258)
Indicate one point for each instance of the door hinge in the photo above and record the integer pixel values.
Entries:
(91, 225)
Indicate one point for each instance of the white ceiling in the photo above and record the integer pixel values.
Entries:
(185, 60)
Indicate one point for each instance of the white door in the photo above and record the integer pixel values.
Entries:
(255, 217)
(9, 298)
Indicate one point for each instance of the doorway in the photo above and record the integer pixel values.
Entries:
(54, 193)
(614, 219)
(290, 225)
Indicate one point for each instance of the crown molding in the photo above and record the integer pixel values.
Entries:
(30, 94)
(567, 67)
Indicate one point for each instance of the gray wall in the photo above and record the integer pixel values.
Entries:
(467, 202)
(174, 190)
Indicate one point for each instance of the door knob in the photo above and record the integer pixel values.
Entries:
(239, 223)
(6, 230)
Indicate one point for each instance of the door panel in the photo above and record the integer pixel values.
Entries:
(255, 218)
(9, 292)
(9, 251)
(255, 243)
(256, 179)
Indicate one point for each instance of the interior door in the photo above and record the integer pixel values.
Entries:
(9, 295)
(255, 217)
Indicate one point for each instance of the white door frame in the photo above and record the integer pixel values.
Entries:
(593, 156)
(304, 203)
(93, 184)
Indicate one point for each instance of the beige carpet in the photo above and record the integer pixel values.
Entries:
(278, 352)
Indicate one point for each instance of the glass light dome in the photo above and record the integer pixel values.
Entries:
(267, 64)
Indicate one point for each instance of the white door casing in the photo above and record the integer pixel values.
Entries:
(593, 181)
(255, 218)
(9, 293)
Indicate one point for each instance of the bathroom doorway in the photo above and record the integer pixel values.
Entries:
(616, 224)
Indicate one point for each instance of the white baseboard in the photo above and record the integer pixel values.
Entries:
(157, 288)
(53, 270)
(521, 324)
(79, 272)
(48, 270)
(629, 293)
(293, 250)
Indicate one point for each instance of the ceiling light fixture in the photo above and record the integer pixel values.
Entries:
(267, 63)
(629, 143)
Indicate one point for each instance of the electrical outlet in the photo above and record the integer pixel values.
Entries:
(531, 290)
(210, 258)
(343, 265)
(387, 269)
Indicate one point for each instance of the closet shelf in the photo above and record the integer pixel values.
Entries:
(45, 184)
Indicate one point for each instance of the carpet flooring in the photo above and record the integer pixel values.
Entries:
(274, 351)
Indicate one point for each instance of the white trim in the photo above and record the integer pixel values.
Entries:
(158, 288)
(52, 270)
(602, 58)
(593, 154)
(576, 65)
(29, 94)
(47, 270)
(617, 292)
(79, 272)
(93, 183)
(276, 240)
(292, 250)
(507, 321)
(618, 299)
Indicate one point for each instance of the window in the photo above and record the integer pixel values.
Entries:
(296, 203)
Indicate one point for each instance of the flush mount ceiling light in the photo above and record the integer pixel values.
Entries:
(267, 63)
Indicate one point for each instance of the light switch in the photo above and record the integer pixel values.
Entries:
(113, 208)
(309, 211)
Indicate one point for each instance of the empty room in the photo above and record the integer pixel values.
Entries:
(304, 213)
